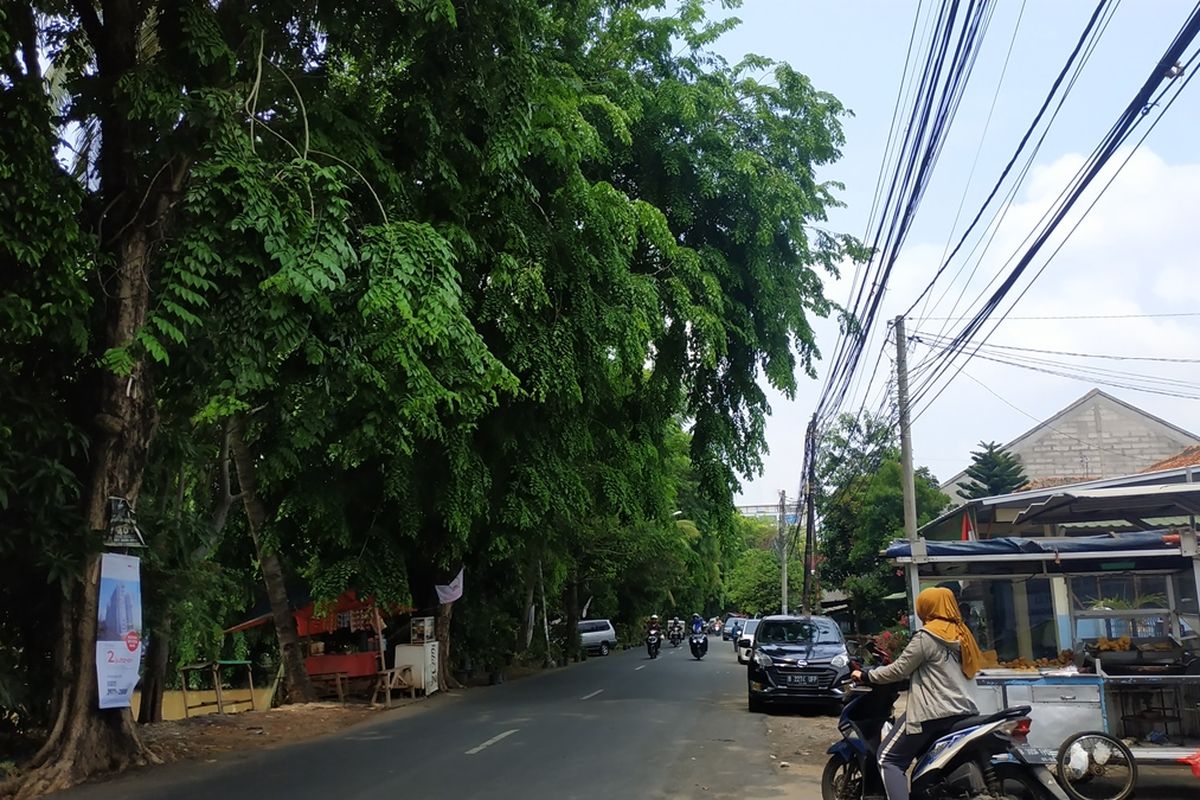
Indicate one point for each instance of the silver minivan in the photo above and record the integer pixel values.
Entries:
(597, 636)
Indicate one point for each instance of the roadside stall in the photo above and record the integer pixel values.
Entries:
(344, 645)
(1095, 632)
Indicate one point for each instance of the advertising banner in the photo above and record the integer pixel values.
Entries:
(119, 629)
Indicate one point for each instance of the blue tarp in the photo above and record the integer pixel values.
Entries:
(1148, 542)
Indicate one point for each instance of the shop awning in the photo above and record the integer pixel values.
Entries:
(1157, 550)
(1160, 543)
(1135, 505)
(1140, 507)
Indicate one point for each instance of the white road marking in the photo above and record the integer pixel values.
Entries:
(643, 666)
(590, 696)
(491, 741)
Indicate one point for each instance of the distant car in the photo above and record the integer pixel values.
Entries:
(797, 659)
(597, 636)
(745, 641)
(733, 627)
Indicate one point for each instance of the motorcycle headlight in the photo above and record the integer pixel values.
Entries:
(839, 661)
(762, 659)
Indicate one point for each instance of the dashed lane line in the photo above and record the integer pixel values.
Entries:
(590, 696)
(491, 741)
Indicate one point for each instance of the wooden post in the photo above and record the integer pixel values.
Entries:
(378, 621)
(250, 680)
(187, 705)
(216, 673)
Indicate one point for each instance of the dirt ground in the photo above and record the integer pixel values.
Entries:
(800, 739)
(202, 738)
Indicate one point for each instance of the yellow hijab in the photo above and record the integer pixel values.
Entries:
(939, 612)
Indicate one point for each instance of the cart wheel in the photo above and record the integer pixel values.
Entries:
(1096, 766)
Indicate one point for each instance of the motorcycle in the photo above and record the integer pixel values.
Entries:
(981, 758)
(676, 637)
(653, 642)
(699, 644)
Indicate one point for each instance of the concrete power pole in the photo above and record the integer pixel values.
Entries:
(810, 517)
(906, 459)
(783, 549)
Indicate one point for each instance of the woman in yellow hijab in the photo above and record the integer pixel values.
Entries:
(940, 662)
(939, 613)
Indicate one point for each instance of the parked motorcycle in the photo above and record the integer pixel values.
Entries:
(982, 758)
(653, 642)
(699, 644)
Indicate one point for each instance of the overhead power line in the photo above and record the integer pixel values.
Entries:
(937, 88)
(1096, 17)
(1149, 98)
(927, 337)
(1069, 317)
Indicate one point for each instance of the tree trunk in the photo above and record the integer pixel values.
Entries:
(442, 633)
(300, 688)
(528, 617)
(85, 740)
(154, 680)
(572, 644)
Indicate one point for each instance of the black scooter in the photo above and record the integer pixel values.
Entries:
(982, 758)
(699, 644)
(653, 642)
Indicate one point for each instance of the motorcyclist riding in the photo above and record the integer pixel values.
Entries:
(653, 624)
(940, 659)
(697, 624)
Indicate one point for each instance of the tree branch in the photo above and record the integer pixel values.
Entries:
(90, 20)
(29, 49)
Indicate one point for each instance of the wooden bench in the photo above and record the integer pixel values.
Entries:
(213, 668)
(389, 680)
(334, 680)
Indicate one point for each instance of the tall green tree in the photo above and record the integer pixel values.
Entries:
(862, 512)
(417, 285)
(993, 471)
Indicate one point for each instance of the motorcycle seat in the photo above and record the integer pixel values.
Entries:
(986, 719)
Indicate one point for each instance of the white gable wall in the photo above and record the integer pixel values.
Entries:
(1097, 436)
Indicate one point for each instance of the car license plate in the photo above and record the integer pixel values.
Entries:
(802, 680)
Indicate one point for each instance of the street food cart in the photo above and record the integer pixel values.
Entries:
(1095, 632)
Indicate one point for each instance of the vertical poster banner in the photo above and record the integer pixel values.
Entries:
(119, 630)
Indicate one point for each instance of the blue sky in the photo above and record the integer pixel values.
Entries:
(1132, 255)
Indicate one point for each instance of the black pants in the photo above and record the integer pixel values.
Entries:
(899, 749)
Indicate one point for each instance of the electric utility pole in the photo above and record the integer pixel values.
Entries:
(783, 549)
(810, 516)
(906, 459)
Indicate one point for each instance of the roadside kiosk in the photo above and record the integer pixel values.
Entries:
(1095, 630)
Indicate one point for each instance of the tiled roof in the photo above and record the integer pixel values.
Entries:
(1188, 457)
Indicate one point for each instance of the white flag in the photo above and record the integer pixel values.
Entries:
(452, 591)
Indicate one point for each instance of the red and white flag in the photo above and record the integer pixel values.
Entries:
(968, 530)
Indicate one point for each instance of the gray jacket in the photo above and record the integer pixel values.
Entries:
(939, 689)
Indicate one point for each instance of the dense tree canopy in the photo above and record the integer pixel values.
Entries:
(416, 286)
(861, 503)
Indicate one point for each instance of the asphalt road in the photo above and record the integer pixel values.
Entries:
(621, 726)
